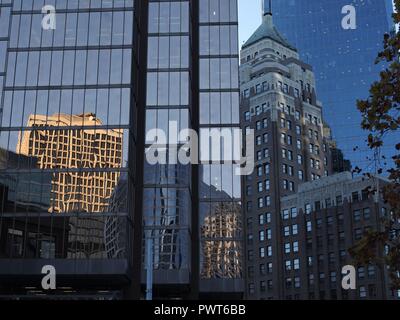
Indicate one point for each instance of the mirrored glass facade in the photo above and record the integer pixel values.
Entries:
(219, 190)
(67, 106)
(193, 89)
(314, 27)
(78, 95)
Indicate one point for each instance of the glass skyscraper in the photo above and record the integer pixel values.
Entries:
(76, 191)
(343, 60)
(192, 82)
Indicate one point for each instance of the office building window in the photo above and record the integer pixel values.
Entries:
(310, 261)
(250, 255)
(283, 138)
(263, 270)
(297, 282)
(357, 215)
(371, 271)
(331, 258)
(308, 208)
(299, 159)
(311, 279)
(285, 214)
(367, 213)
(269, 251)
(358, 233)
(361, 272)
(362, 292)
(372, 290)
(293, 212)
(263, 287)
(251, 288)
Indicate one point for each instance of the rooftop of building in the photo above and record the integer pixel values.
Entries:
(267, 30)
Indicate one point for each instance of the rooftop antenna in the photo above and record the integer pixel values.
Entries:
(267, 7)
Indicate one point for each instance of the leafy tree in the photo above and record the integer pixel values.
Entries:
(381, 117)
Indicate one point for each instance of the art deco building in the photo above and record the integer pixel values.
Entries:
(333, 215)
(292, 146)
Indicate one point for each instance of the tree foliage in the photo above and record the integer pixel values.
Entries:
(381, 118)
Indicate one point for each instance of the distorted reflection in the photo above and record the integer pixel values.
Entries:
(66, 164)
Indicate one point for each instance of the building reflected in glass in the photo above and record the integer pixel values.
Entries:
(75, 191)
(76, 103)
(66, 129)
(221, 249)
(343, 60)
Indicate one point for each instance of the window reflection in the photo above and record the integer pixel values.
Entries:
(65, 130)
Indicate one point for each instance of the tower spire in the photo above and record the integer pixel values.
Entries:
(267, 7)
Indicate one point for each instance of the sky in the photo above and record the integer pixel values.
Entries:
(249, 18)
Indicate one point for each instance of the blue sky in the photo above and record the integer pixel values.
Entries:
(249, 18)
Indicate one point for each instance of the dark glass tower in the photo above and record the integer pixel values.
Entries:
(188, 209)
(76, 191)
(343, 60)
(67, 139)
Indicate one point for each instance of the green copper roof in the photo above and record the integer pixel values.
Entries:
(267, 30)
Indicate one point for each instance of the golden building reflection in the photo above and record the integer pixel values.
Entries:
(84, 157)
(220, 248)
(75, 147)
